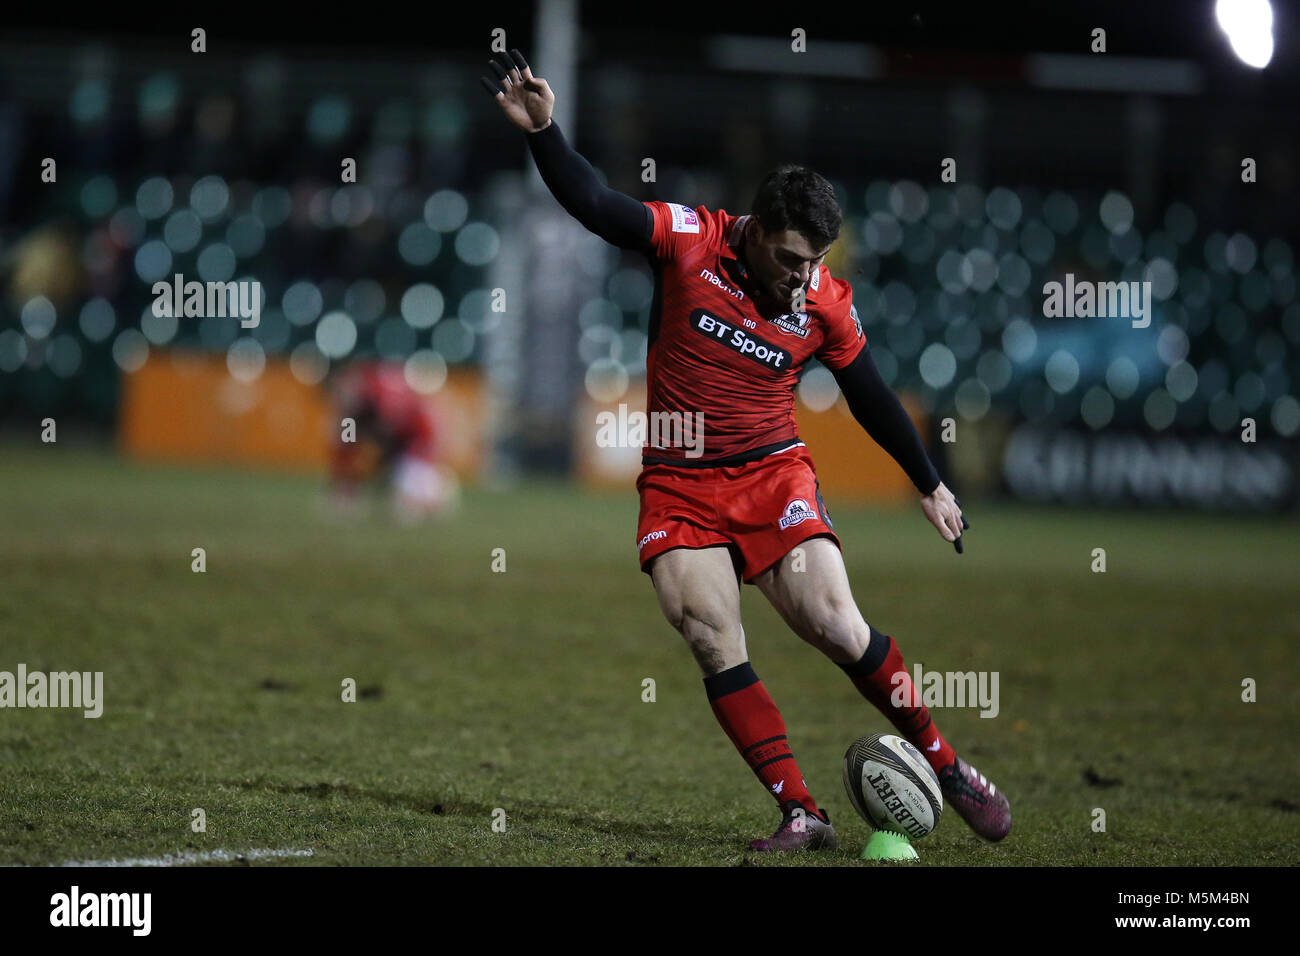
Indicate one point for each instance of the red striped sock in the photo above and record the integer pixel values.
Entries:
(881, 677)
(750, 718)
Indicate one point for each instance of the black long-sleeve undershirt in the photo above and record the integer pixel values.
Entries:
(628, 223)
(878, 410)
(614, 216)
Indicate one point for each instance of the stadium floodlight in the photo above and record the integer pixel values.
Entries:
(1249, 26)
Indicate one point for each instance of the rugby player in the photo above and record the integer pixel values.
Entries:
(396, 436)
(740, 305)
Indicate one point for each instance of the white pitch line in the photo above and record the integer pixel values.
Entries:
(184, 859)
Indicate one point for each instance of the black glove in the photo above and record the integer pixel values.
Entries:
(965, 526)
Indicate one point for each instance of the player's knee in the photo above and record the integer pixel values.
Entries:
(699, 623)
(838, 629)
(679, 614)
(714, 640)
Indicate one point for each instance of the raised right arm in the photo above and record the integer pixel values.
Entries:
(527, 102)
(614, 216)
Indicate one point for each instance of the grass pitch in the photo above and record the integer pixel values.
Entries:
(521, 691)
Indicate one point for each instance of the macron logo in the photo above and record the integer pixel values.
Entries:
(712, 279)
(652, 536)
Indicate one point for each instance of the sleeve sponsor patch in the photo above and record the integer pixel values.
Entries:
(816, 280)
(857, 323)
(684, 220)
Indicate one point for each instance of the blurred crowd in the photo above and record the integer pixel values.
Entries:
(246, 184)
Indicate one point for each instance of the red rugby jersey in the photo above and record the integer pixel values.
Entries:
(714, 352)
(403, 414)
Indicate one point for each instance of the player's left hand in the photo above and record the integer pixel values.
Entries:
(944, 512)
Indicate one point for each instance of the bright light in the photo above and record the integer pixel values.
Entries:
(1249, 26)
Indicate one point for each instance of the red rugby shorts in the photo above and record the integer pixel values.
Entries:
(763, 509)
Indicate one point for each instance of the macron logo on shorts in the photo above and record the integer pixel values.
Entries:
(652, 536)
(796, 512)
(684, 220)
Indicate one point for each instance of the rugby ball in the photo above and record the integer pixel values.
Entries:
(891, 785)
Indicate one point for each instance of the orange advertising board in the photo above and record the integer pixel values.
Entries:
(186, 407)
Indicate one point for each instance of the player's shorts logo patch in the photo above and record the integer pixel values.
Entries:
(684, 220)
(652, 536)
(796, 512)
(793, 323)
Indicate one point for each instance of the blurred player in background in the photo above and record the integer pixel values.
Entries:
(394, 438)
(741, 304)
